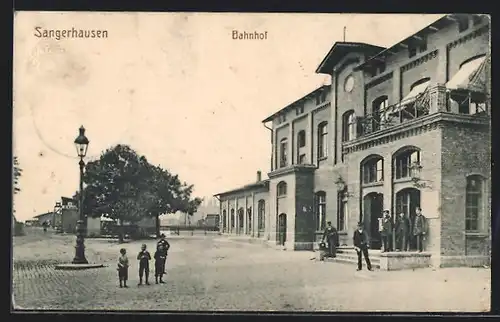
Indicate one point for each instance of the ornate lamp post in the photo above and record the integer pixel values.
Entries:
(81, 143)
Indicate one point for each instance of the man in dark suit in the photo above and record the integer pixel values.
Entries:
(420, 229)
(332, 239)
(386, 232)
(360, 241)
(402, 232)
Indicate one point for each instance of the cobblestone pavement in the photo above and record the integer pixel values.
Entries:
(215, 274)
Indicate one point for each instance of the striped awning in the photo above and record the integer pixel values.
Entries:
(468, 76)
(411, 96)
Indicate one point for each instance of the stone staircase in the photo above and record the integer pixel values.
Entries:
(347, 255)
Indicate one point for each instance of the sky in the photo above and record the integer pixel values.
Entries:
(174, 86)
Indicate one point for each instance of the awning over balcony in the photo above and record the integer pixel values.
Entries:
(411, 97)
(469, 76)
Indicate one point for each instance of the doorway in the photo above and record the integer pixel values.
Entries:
(282, 229)
(373, 206)
(406, 201)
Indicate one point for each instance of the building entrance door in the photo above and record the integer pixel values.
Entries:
(406, 201)
(282, 229)
(373, 206)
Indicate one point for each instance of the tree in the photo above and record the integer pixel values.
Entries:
(124, 186)
(113, 185)
(166, 194)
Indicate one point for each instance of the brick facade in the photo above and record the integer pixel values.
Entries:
(451, 146)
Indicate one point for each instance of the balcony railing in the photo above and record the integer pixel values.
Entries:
(395, 114)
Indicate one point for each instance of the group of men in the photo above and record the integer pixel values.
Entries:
(403, 229)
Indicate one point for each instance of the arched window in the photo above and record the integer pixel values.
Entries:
(378, 111)
(301, 139)
(261, 209)
(283, 152)
(281, 189)
(224, 219)
(343, 212)
(474, 203)
(241, 216)
(349, 126)
(320, 210)
(301, 142)
(249, 220)
(322, 140)
(372, 169)
(403, 161)
(232, 219)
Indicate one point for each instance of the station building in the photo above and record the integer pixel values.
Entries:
(398, 128)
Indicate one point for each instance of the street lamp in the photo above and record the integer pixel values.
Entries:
(81, 143)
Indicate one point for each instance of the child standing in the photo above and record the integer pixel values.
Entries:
(123, 268)
(143, 257)
(160, 257)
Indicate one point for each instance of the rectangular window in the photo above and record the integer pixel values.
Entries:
(463, 23)
(323, 96)
(343, 214)
(381, 67)
(323, 141)
(422, 46)
(412, 51)
(283, 154)
(321, 212)
(473, 204)
(299, 110)
(318, 99)
(476, 20)
(302, 159)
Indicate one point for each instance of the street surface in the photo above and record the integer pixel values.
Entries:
(214, 273)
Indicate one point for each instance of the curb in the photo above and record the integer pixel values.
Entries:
(75, 267)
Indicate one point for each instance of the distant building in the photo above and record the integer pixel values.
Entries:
(47, 217)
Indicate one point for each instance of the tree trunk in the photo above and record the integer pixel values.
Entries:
(157, 225)
(120, 231)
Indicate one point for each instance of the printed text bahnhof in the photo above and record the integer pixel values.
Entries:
(59, 34)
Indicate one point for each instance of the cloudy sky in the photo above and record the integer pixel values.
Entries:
(176, 87)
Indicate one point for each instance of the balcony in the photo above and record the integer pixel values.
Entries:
(432, 105)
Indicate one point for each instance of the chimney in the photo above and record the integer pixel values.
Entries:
(259, 176)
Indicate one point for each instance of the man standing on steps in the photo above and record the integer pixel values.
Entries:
(360, 241)
(420, 229)
(332, 239)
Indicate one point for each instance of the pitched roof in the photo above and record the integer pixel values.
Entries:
(436, 25)
(66, 200)
(259, 184)
(291, 105)
(340, 49)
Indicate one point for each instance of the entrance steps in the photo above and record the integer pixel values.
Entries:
(347, 255)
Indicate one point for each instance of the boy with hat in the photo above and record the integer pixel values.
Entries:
(165, 246)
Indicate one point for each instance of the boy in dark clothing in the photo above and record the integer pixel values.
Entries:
(360, 241)
(163, 242)
(123, 268)
(160, 258)
(143, 257)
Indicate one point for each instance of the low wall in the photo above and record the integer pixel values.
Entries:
(404, 260)
(465, 261)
